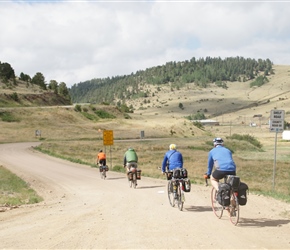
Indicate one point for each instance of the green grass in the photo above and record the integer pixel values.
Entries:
(14, 191)
(8, 117)
(104, 115)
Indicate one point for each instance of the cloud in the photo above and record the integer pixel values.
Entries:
(74, 41)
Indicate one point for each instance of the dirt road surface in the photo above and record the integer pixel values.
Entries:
(82, 211)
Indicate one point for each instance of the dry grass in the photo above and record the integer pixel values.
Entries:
(68, 133)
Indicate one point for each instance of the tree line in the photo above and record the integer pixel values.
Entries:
(7, 75)
(201, 72)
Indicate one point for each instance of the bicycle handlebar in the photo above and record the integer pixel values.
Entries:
(206, 179)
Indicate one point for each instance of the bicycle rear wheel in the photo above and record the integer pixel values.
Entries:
(134, 180)
(104, 174)
(101, 173)
(180, 199)
(216, 207)
(234, 210)
(170, 194)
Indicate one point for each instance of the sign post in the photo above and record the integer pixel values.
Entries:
(108, 140)
(276, 125)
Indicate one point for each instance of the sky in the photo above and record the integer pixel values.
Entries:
(76, 41)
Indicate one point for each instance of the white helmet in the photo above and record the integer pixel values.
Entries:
(172, 147)
(218, 141)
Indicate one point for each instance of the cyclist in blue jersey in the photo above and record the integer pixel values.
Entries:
(172, 159)
(221, 159)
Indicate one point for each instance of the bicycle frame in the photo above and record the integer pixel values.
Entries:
(133, 180)
(175, 192)
(233, 209)
(103, 171)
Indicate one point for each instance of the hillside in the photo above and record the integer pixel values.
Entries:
(22, 94)
(202, 72)
(238, 103)
(159, 115)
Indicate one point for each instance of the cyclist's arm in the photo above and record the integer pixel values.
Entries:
(210, 164)
(164, 163)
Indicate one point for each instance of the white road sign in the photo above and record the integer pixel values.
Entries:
(277, 120)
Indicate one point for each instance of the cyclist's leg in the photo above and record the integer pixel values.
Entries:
(179, 197)
(215, 177)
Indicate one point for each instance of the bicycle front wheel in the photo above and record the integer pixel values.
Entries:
(234, 210)
(180, 197)
(170, 194)
(216, 207)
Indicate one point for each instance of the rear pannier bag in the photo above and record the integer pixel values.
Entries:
(242, 193)
(177, 173)
(180, 173)
(104, 168)
(186, 184)
(139, 174)
(184, 173)
(223, 195)
(234, 181)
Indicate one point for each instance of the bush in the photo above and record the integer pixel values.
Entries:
(247, 138)
(103, 114)
(8, 117)
(78, 108)
(89, 116)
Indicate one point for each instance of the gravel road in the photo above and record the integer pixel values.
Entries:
(82, 211)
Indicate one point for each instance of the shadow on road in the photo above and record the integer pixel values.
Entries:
(144, 187)
(261, 222)
(199, 209)
(114, 178)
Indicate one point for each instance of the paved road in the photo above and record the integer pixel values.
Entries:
(83, 211)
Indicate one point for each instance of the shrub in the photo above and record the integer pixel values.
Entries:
(103, 114)
(247, 138)
(78, 108)
(8, 117)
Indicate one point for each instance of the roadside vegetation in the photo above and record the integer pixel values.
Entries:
(14, 191)
(257, 172)
(74, 133)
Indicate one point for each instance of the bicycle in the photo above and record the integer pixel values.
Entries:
(103, 171)
(233, 207)
(133, 176)
(176, 188)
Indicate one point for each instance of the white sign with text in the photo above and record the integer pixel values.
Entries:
(277, 120)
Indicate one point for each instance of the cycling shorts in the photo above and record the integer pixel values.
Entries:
(218, 174)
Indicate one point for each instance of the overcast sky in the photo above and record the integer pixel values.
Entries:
(75, 41)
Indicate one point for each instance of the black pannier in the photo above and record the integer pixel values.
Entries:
(242, 193)
(223, 195)
(234, 181)
(177, 173)
(186, 185)
(180, 173)
(184, 173)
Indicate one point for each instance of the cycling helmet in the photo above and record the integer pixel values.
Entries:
(172, 147)
(100, 150)
(218, 141)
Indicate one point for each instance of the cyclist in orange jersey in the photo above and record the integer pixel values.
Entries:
(101, 158)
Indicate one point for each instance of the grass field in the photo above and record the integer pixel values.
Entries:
(77, 136)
